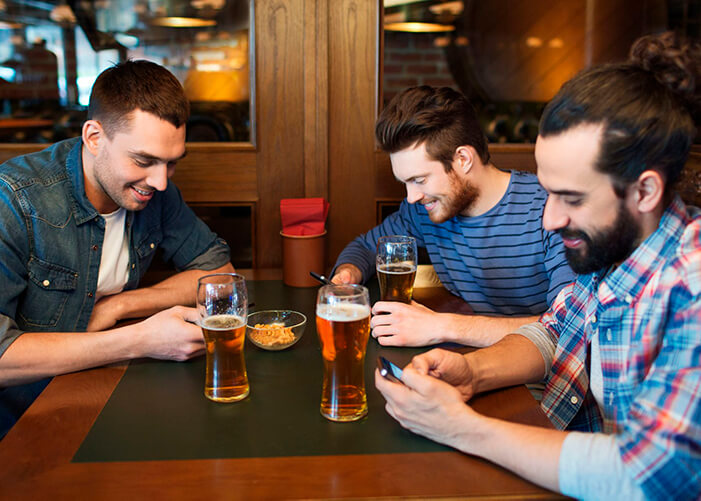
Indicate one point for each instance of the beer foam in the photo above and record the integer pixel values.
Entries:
(343, 312)
(222, 322)
(390, 269)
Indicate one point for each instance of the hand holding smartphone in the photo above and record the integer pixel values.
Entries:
(388, 370)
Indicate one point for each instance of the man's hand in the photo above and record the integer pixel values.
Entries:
(448, 366)
(399, 324)
(172, 334)
(347, 274)
(426, 406)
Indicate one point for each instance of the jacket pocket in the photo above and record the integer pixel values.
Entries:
(48, 289)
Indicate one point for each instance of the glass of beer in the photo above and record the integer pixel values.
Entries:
(396, 267)
(222, 302)
(343, 326)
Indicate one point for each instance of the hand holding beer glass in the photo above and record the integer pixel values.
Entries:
(396, 267)
(222, 302)
(343, 326)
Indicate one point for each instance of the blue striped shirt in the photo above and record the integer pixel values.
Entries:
(501, 262)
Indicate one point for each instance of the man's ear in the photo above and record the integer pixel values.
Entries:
(648, 191)
(464, 159)
(92, 134)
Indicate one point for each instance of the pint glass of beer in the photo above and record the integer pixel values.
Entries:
(343, 326)
(222, 301)
(396, 267)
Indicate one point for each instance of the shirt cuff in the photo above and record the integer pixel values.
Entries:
(591, 467)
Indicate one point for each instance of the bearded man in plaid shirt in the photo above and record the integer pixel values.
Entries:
(620, 348)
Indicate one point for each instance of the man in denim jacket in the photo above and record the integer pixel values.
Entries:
(81, 222)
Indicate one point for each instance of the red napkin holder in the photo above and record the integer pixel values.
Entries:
(303, 216)
(303, 239)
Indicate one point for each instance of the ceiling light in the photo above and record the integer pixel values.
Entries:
(182, 22)
(419, 27)
(534, 42)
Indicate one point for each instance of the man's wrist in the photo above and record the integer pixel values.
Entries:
(453, 328)
(473, 434)
(118, 306)
(478, 375)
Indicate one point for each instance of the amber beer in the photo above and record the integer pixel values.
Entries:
(396, 281)
(225, 376)
(343, 331)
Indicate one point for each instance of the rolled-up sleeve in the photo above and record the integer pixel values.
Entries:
(539, 336)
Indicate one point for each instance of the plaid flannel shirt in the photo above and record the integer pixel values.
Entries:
(647, 313)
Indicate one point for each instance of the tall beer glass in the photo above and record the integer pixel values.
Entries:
(222, 301)
(396, 267)
(343, 326)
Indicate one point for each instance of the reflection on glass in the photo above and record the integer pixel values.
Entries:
(51, 53)
(509, 57)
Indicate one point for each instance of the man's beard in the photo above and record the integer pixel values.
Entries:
(461, 200)
(607, 247)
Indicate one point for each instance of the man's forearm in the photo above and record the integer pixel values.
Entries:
(36, 355)
(481, 330)
(528, 451)
(179, 289)
(513, 360)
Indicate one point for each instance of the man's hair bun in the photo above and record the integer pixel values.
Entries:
(675, 62)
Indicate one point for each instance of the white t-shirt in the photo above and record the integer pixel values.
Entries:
(114, 264)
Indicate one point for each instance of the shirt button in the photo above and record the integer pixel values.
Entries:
(593, 319)
(152, 245)
(46, 283)
(574, 400)
(89, 294)
(94, 247)
(629, 298)
(133, 265)
(608, 334)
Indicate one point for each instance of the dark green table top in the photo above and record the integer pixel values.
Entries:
(159, 412)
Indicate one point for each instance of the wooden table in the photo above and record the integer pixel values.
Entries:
(37, 455)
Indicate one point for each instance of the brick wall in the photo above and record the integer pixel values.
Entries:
(413, 59)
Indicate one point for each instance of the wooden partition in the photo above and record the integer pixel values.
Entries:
(317, 86)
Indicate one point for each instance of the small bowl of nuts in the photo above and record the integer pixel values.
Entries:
(275, 329)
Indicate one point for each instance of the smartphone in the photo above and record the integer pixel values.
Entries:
(389, 370)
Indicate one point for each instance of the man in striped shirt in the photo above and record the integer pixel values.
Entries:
(620, 348)
(482, 227)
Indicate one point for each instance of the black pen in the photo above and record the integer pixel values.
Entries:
(321, 278)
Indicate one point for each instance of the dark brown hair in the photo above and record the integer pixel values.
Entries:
(131, 85)
(442, 118)
(648, 106)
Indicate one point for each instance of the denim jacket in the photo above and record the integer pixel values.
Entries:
(51, 242)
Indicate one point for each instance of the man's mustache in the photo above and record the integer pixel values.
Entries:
(573, 234)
